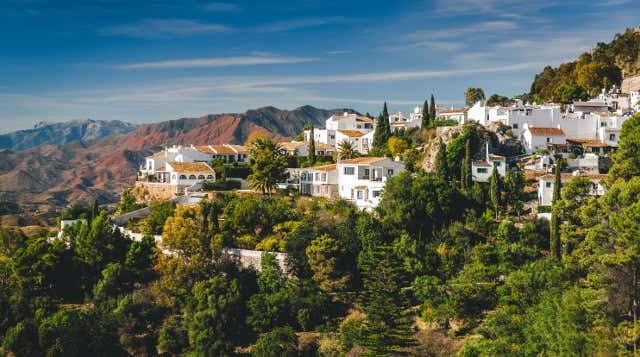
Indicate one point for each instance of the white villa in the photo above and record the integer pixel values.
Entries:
(399, 121)
(301, 148)
(361, 180)
(319, 181)
(546, 183)
(346, 122)
(482, 170)
(534, 138)
(458, 114)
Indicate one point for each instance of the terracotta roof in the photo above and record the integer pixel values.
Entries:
(190, 167)
(291, 145)
(547, 131)
(364, 119)
(158, 154)
(569, 176)
(496, 157)
(363, 160)
(241, 149)
(453, 110)
(222, 149)
(360, 187)
(351, 133)
(204, 149)
(589, 104)
(322, 168)
(481, 163)
(589, 142)
(324, 146)
(161, 169)
(398, 123)
(340, 117)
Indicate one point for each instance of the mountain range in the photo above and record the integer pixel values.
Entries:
(63, 133)
(43, 179)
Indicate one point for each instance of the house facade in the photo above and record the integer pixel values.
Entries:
(547, 182)
(320, 181)
(362, 180)
(534, 138)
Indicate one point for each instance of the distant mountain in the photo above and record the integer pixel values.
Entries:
(605, 65)
(47, 177)
(63, 133)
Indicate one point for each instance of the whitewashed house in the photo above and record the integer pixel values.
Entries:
(457, 114)
(546, 183)
(631, 87)
(346, 121)
(361, 142)
(399, 121)
(226, 152)
(362, 180)
(534, 138)
(590, 106)
(482, 170)
(321, 181)
(301, 148)
(204, 153)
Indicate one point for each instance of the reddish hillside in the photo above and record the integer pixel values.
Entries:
(48, 177)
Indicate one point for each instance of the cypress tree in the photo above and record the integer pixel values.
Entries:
(312, 147)
(554, 230)
(465, 169)
(425, 115)
(387, 125)
(432, 109)
(495, 190)
(383, 129)
(442, 167)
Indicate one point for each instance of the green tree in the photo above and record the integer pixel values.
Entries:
(160, 211)
(280, 342)
(325, 254)
(495, 100)
(514, 183)
(473, 95)
(554, 242)
(346, 150)
(397, 146)
(174, 336)
(465, 168)
(442, 166)
(383, 129)
(312, 147)
(432, 109)
(572, 92)
(627, 158)
(495, 191)
(215, 317)
(127, 203)
(426, 116)
(269, 167)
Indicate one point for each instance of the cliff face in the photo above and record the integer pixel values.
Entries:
(47, 177)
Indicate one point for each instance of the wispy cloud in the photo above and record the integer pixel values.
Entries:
(294, 24)
(215, 62)
(338, 52)
(613, 2)
(477, 28)
(163, 28)
(220, 7)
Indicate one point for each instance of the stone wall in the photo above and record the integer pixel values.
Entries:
(147, 191)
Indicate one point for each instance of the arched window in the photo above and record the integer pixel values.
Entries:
(183, 177)
(173, 176)
(209, 177)
(200, 177)
(192, 177)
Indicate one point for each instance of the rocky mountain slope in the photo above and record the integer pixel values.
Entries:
(63, 133)
(47, 177)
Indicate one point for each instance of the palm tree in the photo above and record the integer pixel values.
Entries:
(346, 150)
(269, 167)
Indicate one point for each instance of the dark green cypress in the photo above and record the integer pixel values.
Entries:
(554, 242)
(432, 109)
(312, 147)
(425, 115)
(465, 169)
(442, 167)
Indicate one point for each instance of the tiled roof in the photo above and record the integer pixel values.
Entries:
(223, 150)
(589, 104)
(361, 187)
(157, 155)
(291, 145)
(364, 119)
(363, 160)
(547, 131)
(496, 157)
(204, 149)
(351, 133)
(196, 167)
(323, 168)
(570, 176)
(589, 142)
(453, 111)
(241, 149)
(340, 117)
(324, 146)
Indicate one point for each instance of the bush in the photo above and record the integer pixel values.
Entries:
(544, 209)
(221, 185)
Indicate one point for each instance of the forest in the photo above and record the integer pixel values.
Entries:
(444, 266)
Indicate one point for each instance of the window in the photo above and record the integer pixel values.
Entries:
(612, 136)
(594, 185)
(174, 176)
(375, 194)
(183, 177)
(192, 177)
(349, 170)
(317, 189)
(303, 176)
(390, 172)
(548, 185)
(366, 174)
(200, 177)
(515, 126)
(496, 163)
(317, 176)
(482, 170)
(324, 177)
(209, 177)
(602, 123)
(326, 190)
(548, 140)
(359, 193)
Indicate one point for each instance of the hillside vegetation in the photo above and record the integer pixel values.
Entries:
(605, 65)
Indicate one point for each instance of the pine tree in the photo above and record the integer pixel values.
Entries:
(432, 109)
(554, 242)
(312, 147)
(465, 168)
(383, 129)
(442, 167)
(425, 115)
(495, 190)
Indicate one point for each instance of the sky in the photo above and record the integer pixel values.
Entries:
(156, 60)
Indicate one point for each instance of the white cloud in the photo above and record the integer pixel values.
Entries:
(220, 7)
(477, 28)
(215, 62)
(163, 28)
(294, 24)
(338, 52)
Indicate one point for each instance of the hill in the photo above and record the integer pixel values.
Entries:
(63, 133)
(605, 65)
(47, 177)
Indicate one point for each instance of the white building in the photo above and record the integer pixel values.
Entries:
(321, 181)
(457, 114)
(301, 148)
(359, 140)
(205, 153)
(631, 87)
(482, 170)
(362, 180)
(399, 121)
(534, 138)
(589, 106)
(546, 183)
(346, 121)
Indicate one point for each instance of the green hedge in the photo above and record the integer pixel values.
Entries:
(221, 185)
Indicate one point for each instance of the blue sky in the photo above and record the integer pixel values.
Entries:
(158, 60)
